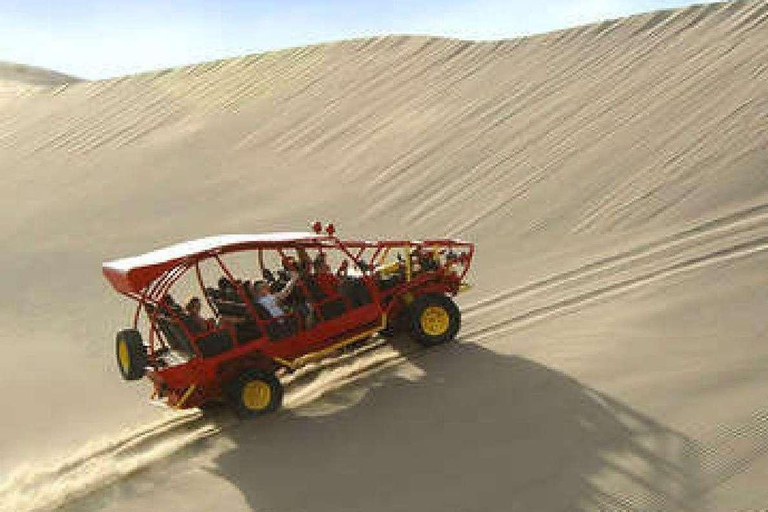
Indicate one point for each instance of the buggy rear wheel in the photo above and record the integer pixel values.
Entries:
(253, 393)
(435, 319)
(131, 354)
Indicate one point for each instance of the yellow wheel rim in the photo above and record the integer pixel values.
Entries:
(435, 321)
(124, 356)
(257, 395)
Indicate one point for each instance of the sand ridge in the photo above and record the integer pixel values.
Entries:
(18, 81)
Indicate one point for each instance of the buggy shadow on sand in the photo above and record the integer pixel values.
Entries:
(465, 429)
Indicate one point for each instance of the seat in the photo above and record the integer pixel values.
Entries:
(356, 291)
(314, 290)
(248, 331)
(191, 325)
(230, 308)
(174, 335)
(388, 283)
(333, 308)
(215, 343)
(278, 328)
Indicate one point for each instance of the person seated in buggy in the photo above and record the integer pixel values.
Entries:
(296, 298)
(327, 282)
(193, 308)
(274, 304)
(272, 301)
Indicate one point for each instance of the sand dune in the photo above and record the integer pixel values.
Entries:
(613, 351)
(23, 74)
(18, 80)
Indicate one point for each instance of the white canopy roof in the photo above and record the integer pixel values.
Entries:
(202, 245)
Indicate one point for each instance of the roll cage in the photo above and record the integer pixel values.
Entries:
(420, 266)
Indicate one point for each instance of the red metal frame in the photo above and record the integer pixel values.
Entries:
(200, 379)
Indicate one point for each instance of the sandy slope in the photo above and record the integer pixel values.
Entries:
(613, 351)
(19, 80)
(22, 74)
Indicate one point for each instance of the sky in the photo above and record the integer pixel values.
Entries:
(101, 39)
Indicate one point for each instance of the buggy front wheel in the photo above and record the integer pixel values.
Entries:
(254, 393)
(131, 354)
(435, 319)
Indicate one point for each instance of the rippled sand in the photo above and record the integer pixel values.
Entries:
(613, 351)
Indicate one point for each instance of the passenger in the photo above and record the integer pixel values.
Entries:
(193, 311)
(326, 280)
(305, 262)
(275, 304)
(427, 260)
(224, 284)
(227, 289)
(289, 264)
(297, 300)
(325, 287)
(272, 301)
(170, 304)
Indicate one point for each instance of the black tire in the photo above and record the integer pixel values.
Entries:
(253, 393)
(131, 354)
(434, 319)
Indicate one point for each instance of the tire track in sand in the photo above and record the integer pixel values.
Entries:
(100, 464)
(698, 233)
(103, 463)
(727, 253)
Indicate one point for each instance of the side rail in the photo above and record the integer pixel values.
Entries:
(395, 263)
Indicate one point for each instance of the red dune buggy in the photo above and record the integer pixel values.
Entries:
(296, 298)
